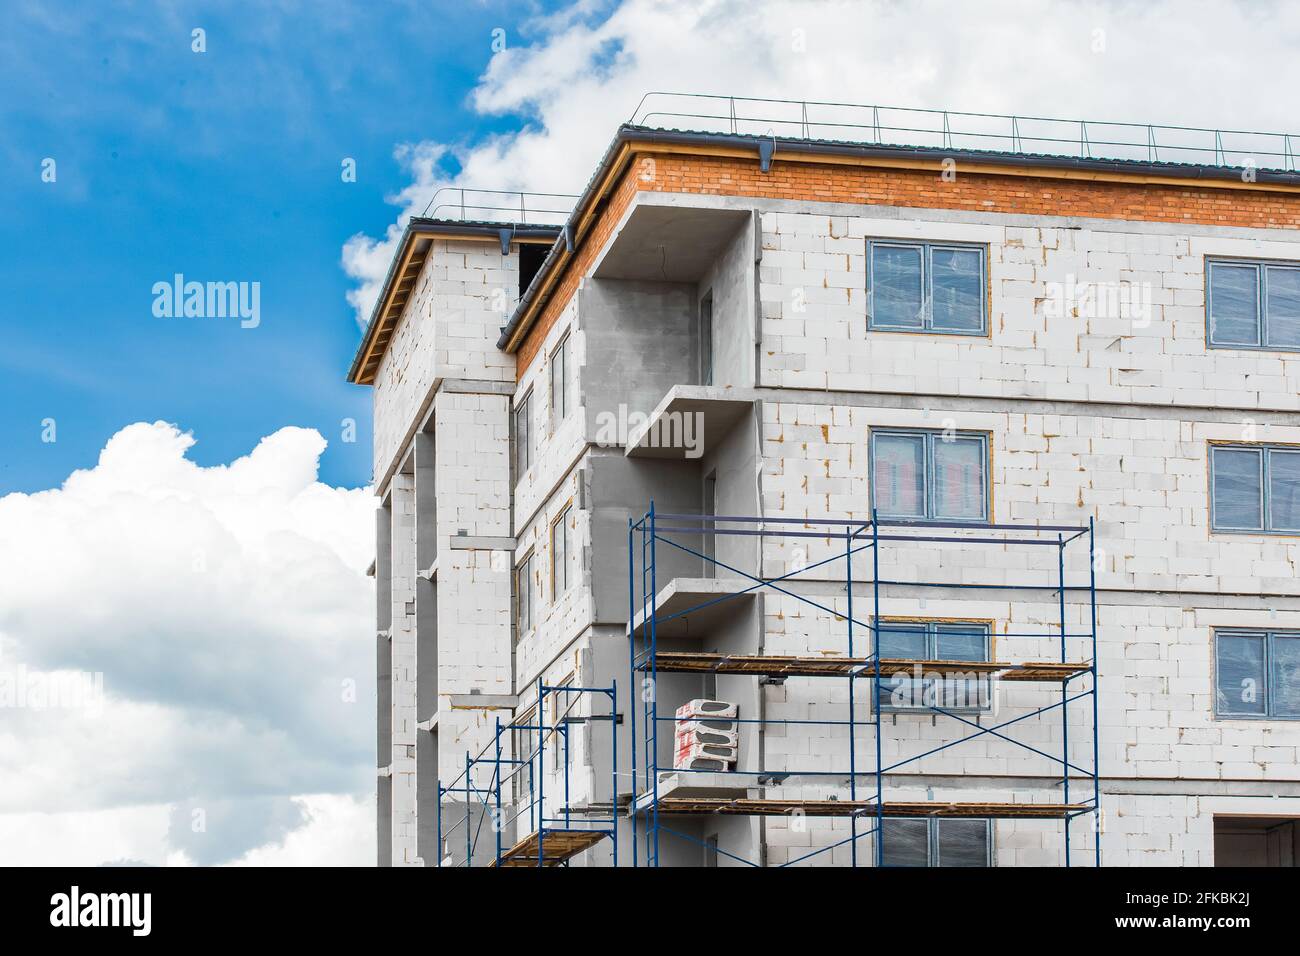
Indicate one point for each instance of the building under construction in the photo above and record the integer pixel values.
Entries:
(831, 485)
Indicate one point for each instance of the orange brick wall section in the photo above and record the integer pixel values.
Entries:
(980, 192)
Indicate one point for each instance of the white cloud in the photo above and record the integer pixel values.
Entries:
(575, 76)
(85, 837)
(340, 831)
(368, 259)
(225, 610)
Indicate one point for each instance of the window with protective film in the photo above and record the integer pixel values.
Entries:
(930, 475)
(926, 287)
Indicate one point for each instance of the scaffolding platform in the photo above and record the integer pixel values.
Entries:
(862, 808)
(687, 662)
(558, 847)
(519, 758)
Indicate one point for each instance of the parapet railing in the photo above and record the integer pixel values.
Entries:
(499, 205)
(949, 129)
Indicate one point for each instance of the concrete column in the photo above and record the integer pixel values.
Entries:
(426, 649)
(383, 683)
(403, 643)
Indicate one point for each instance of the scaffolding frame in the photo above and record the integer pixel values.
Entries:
(858, 536)
(566, 840)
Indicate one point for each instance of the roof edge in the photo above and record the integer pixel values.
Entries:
(418, 226)
(1128, 167)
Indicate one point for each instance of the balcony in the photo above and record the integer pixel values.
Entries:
(688, 421)
(695, 607)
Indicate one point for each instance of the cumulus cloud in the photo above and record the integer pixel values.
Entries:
(572, 77)
(336, 830)
(339, 831)
(218, 619)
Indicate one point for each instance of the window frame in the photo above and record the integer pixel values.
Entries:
(1265, 451)
(561, 522)
(561, 758)
(524, 427)
(522, 794)
(563, 353)
(927, 248)
(933, 627)
(705, 336)
(933, 856)
(523, 592)
(930, 435)
(1261, 267)
(1270, 679)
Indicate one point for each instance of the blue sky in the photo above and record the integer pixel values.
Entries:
(224, 166)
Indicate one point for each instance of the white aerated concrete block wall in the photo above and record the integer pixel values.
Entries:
(1145, 480)
(472, 456)
(1142, 473)
(448, 329)
(559, 615)
(814, 305)
(542, 494)
(556, 441)
(475, 289)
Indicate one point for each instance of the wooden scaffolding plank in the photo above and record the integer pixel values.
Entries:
(559, 846)
(785, 666)
(844, 808)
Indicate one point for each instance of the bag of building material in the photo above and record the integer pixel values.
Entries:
(720, 709)
(691, 749)
(706, 735)
(705, 732)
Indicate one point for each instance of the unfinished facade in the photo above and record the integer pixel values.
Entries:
(791, 330)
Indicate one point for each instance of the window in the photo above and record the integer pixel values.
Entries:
(1253, 304)
(1255, 488)
(937, 842)
(561, 539)
(934, 641)
(525, 743)
(706, 339)
(560, 392)
(929, 475)
(560, 742)
(1257, 674)
(524, 587)
(709, 527)
(523, 436)
(926, 287)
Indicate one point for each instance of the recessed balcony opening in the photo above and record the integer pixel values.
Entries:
(1256, 841)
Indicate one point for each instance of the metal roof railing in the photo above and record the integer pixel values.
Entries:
(467, 204)
(947, 129)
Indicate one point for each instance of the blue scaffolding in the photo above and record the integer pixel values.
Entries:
(866, 807)
(553, 838)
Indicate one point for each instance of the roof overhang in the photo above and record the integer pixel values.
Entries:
(404, 272)
(668, 243)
